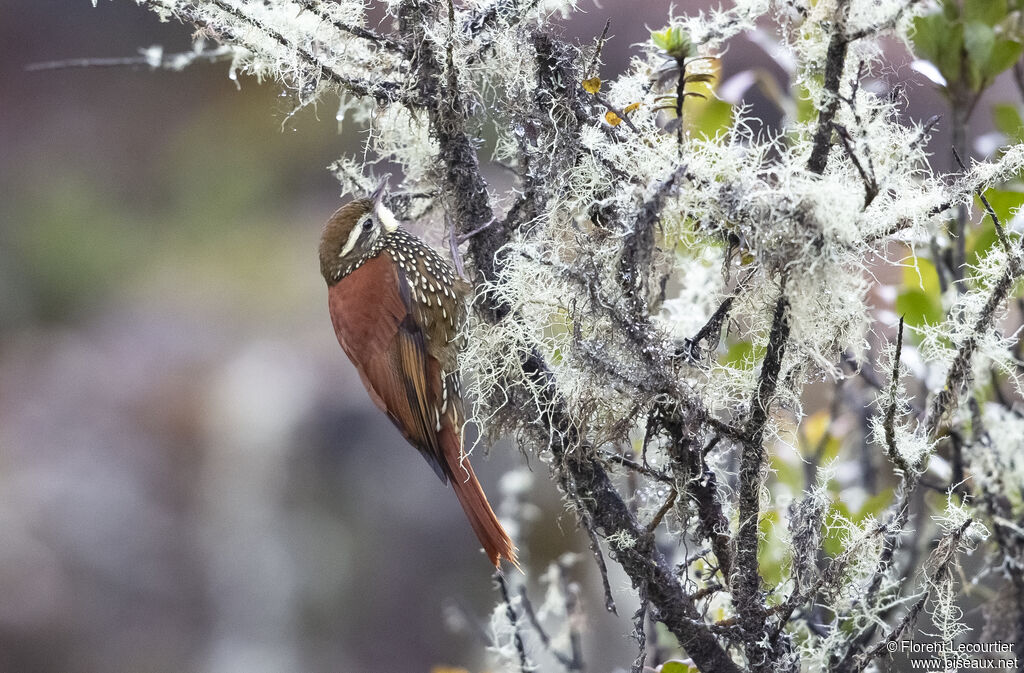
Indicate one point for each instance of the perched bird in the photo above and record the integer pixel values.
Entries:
(397, 308)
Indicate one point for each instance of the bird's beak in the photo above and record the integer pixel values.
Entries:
(378, 194)
(384, 216)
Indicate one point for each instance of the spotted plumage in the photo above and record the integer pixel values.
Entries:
(397, 309)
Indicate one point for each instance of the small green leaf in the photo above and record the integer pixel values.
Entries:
(1008, 121)
(673, 41)
(1004, 54)
(743, 355)
(1005, 202)
(926, 35)
(924, 277)
(710, 118)
(979, 40)
(989, 12)
(832, 536)
(917, 308)
(676, 666)
(920, 298)
(699, 77)
(939, 39)
(981, 241)
(875, 505)
(805, 110)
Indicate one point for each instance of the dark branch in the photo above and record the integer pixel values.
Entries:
(835, 61)
(746, 580)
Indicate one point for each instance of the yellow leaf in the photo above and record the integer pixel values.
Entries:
(630, 108)
(815, 426)
(612, 118)
(675, 666)
(592, 85)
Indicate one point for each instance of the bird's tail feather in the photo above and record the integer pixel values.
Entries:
(488, 529)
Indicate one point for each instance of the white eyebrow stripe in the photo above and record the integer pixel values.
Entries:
(353, 236)
(386, 218)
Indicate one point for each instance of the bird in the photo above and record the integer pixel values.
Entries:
(397, 309)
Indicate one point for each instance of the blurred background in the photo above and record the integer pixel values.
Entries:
(191, 476)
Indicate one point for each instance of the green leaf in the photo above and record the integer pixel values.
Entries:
(981, 241)
(832, 536)
(1008, 121)
(924, 277)
(699, 77)
(926, 34)
(979, 40)
(1005, 202)
(743, 355)
(989, 12)
(1003, 55)
(920, 299)
(711, 117)
(875, 505)
(674, 41)
(805, 111)
(917, 308)
(939, 39)
(787, 473)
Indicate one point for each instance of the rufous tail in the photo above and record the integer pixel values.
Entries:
(489, 531)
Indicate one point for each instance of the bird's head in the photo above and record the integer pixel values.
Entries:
(354, 234)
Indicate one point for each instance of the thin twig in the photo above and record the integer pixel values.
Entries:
(747, 583)
(711, 333)
(356, 31)
(524, 664)
(889, 422)
(835, 60)
(660, 514)
(382, 91)
(591, 69)
(882, 25)
(870, 185)
(545, 639)
(640, 635)
(595, 549)
(647, 471)
(572, 606)
(1003, 240)
(157, 60)
(946, 553)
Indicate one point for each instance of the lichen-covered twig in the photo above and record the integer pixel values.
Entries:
(316, 7)
(381, 91)
(835, 60)
(746, 581)
(513, 618)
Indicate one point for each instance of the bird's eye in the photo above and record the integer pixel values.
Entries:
(367, 224)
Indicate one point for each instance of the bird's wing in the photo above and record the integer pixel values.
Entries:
(372, 317)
